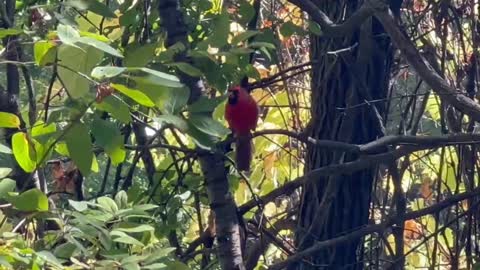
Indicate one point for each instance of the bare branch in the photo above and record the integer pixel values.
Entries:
(376, 228)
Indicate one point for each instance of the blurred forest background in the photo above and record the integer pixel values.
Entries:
(115, 154)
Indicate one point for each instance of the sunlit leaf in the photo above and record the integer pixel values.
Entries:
(44, 52)
(9, 120)
(10, 32)
(6, 185)
(118, 109)
(23, 152)
(134, 94)
(30, 201)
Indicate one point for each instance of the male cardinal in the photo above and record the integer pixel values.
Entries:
(241, 112)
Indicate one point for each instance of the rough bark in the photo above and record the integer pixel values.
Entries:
(334, 205)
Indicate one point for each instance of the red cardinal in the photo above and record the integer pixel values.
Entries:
(241, 113)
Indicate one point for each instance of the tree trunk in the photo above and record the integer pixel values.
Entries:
(342, 82)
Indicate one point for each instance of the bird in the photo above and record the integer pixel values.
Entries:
(241, 113)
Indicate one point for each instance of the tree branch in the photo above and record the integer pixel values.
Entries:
(376, 228)
(455, 97)
(329, 28)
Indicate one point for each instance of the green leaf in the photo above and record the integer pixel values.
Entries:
(219, 36)
(102, 46)
(79, 206)
(108, 204)
(289, 28)
(137, 229)
(159, 254)
(44, 52)
(244, 36)
(10, 32)
(154, 77)
(208, 125)
(6, 185)
(23, 152)
(187, 69)
(5, 149)
(47, 256)
(200, 138)
(94, 6)
(4, 172)
(40, 129)
(177, 266)
(9, 120)
(177, 99)
(30, 201)
(314, 28)
(121, 199)
(139, 56)
(177, 121)
(257, 45)
(204, 104)
(134, 94)
(67, 35)
(107, 72)
(108, 136)
(78, 61)
(65, 250)
(80, 147)
(118, 109)
(122, 237)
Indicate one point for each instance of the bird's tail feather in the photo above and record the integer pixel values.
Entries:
(243, 156)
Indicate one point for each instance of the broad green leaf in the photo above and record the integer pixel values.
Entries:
(67, 35)
(40, 129)
(121, 199)
(131, 266)
(65, 250)
(208, 125)
(107, 72)
(5, 149)
(108, 204)
(118, 109)
(9, 120)
(187, 69)
(10, 32)
(79, 206)
(30, 201)
(177, 99)
(177, 266)
(81, 61)
(221, 29)
(108, 136)
(4, 172)
(23, 152)
(44, 52)
(204, 104)
(122, 237)
(244, 36)
(139, 56)
(154, 77)
(289, 28)
(62, 149)
(80, 147)
(137, 229)
(200, 138)
(159, 254)
(47, 256)
(94, 6)
(257, 45)
(6, 185)
(99, 45)
(177, 121)
(314, 28)
(134, 94)
(98, 37)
